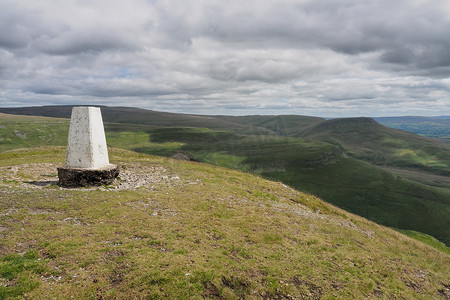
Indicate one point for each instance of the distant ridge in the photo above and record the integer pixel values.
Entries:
(436, 127)
(341, 126)
(366, 139)
(267, 124)
(143, 116)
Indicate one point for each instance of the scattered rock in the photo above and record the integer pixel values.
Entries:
(21, 135)
(181, 156)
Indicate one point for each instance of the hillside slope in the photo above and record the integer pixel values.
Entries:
(31, 131)
(365, 139)
(402, 198)
(174, 229)
(322, 169)
(285, 125)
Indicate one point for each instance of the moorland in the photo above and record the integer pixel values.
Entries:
(178, 228)
(393, 177)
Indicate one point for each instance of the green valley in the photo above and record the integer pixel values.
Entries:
(389, 176)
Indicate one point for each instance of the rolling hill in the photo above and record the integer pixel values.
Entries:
(365, 139)
(285, 125)
(171, 229)
(389, 176)
(132, 115)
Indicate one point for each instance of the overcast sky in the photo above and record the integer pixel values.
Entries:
(330, 58)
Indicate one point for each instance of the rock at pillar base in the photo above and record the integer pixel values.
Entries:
(78, 177)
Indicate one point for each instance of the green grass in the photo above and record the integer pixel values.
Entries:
(286, 125)
(32, 155)
(140, 141)
(24, 131)
(378, 195)
(22, 270)
(427, 239)
(221, 158)
(218, 233)
(364, 139)
(319, 168)
(396, 179)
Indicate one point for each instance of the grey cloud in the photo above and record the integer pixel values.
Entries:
(404, 33)
(11, 38)
(434, 56)
(265, 70)
(101, 88)
(15, 31)
(401, 55)
(82, 42)
(47, 90)
(261, 56)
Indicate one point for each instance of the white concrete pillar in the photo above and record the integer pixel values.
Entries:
(86, 146)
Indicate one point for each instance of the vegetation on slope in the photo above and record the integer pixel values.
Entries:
(365, 139)
(26, 131)
(285, 125)
(427, 239)
(328, 161)
(321, 169)
(377, 195)
(194, 231)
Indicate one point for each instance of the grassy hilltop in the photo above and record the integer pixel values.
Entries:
(178, 229)
(389, 176)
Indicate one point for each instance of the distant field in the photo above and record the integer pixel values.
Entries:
(435, 127)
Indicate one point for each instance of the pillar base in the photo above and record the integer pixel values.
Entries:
(78, 177)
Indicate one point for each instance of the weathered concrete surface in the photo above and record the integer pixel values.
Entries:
(71, 177)
(86, 146)
(87, 161)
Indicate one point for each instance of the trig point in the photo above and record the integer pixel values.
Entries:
(87, 161)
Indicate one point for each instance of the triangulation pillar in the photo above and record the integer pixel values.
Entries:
(87, 161)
